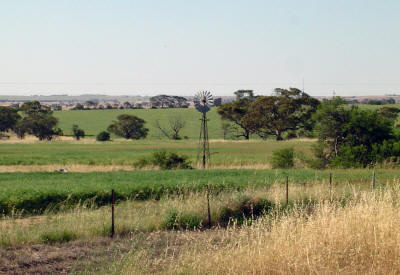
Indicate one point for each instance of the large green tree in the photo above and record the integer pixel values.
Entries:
(349, 136)
(286, 110)
(8, 118)
(129, 127)
(236, 111)
(38, 121)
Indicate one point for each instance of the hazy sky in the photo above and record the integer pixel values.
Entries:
(179, 47)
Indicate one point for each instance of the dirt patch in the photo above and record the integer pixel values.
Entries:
(78, 256)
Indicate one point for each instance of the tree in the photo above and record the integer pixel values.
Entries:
(389, 112)
(176, 124)
(21, 128)
(32, 108)
(331, 116)
(78, 133)
(92, 104)
(129, 127)
(349, 136)
(127, 105)
(79, 106)
(286, 110)
(41, 125)
(8, 118)
(244, 93)
(236, 111)
(38, 121)
(103, 136)
(167, 101)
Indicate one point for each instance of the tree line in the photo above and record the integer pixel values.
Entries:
(347, 135)
(36, 119)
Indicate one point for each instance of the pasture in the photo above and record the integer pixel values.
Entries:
(161, 216)
(95, 121)
(224, 154)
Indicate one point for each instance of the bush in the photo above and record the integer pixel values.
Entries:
(103, 136)
(283, 158)
(177, 220)
(77, 132)
(165, 161)
(244, 210)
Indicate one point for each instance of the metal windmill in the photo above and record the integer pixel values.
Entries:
(203, 101)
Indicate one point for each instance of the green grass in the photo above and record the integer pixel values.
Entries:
(95, 121)
(36, 192)
(127, 152)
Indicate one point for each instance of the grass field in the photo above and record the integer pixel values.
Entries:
(95, 121)
(36, 192)
(225, 154)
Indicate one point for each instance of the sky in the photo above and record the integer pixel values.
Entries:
(149, 47)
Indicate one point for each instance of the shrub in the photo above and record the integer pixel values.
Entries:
(243, 210)
(77, 132)
(165, 161)
(177, 220)
(103, 136)
(283, 158)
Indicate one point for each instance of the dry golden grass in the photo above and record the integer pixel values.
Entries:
(361, 237)
(84, 221)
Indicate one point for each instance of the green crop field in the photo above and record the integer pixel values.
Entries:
(34, 192)
(229, 153)
(94, 121)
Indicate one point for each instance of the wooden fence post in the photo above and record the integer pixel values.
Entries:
(373, 181)
(208, 206)
(330, 186)
(112, 213)
(287, 190)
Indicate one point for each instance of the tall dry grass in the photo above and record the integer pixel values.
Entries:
(87, 221)
(359, 235)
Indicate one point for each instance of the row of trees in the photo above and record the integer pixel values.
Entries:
(347, 135)
(38, 120)
(286, 110)
(168, 101)
(31, 118)
(93, 105)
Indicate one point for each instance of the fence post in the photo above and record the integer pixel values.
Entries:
(287, 190)
(373, 181)
(208, 206)
(112, 213)
(330, 186)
